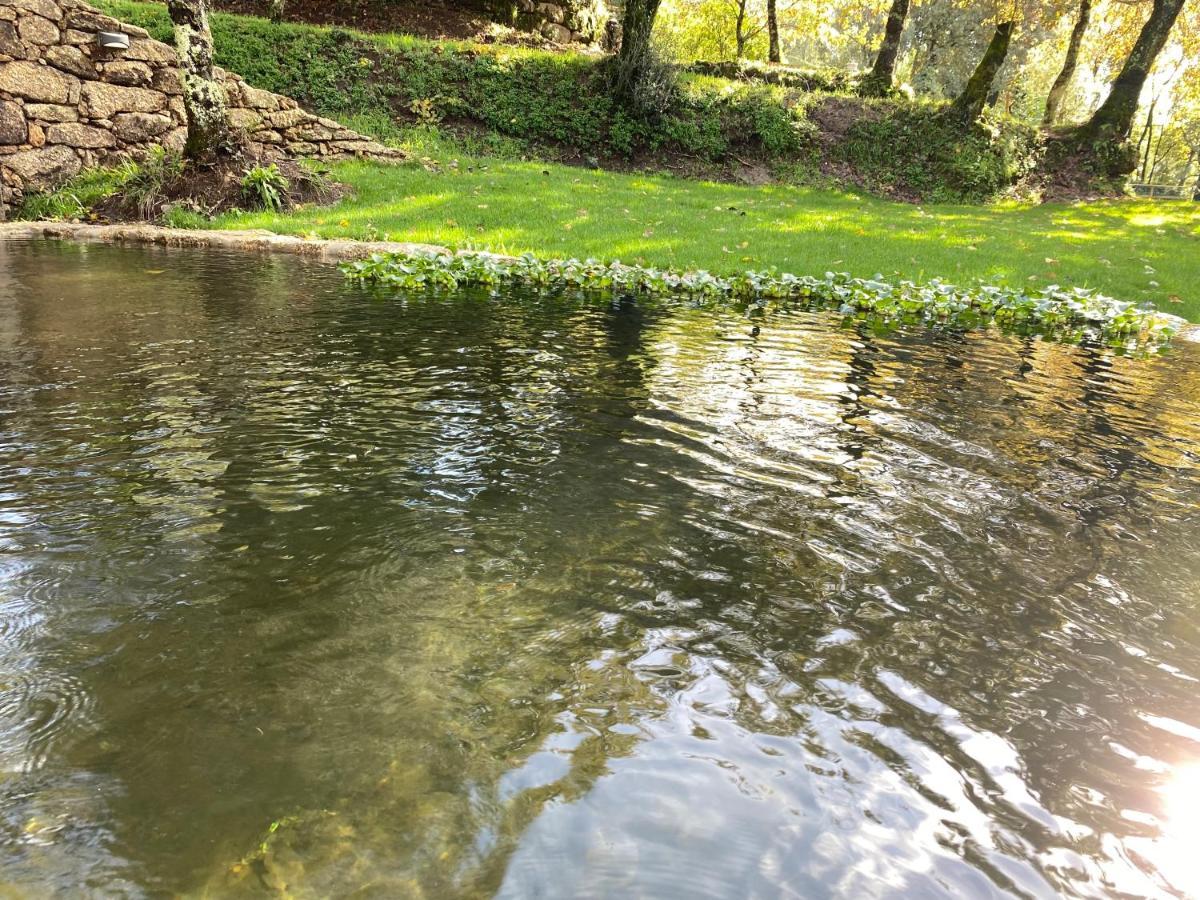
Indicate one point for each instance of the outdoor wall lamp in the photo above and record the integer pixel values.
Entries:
(112, 40)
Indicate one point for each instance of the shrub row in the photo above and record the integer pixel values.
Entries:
(915, 145)
(785, 76)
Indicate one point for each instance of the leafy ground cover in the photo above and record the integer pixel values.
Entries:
(1132, 250)
(1071, 315)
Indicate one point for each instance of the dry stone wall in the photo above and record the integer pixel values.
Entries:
(67, 104)
(567, 21)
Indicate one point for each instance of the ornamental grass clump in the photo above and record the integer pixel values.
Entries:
(1065, 313)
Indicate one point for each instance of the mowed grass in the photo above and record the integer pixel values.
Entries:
(1134, 250)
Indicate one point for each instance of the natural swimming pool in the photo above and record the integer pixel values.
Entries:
(307, 591)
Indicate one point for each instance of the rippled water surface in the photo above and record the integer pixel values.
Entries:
(308, 593)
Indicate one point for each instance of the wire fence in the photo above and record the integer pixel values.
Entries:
(1165, 191)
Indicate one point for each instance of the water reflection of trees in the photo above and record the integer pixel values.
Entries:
(432, 464)
(966, 514)
(397, 573)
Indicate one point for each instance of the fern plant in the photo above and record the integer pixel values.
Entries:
(265, 187)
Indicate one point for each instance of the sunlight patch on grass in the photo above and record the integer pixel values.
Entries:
(515, 207)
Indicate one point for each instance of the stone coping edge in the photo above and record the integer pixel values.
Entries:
(255, 240)
(262, 241)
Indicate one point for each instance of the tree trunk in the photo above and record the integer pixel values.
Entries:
(203, 96)
(1114, 118)
(1058, 91)
(634, 55)
(879, 81)
(924, 57)
(741, 34)
(969, 105)
(773, 54)
(1157, 161)
(1147, 138)
(276, 9)
(1187, 169)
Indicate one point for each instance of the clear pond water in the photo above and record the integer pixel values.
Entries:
(309, 593)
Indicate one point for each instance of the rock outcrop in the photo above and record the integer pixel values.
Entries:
(66, 103)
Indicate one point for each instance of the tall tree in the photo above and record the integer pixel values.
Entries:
(203, 96)
(968, 106)
(635, 56)
(1146, 141)
(879, 80)
(1058, 90)
(773, 54)
(746, 28)
(740, 25)
(1114, 118)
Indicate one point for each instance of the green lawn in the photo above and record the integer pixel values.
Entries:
(1134, 250)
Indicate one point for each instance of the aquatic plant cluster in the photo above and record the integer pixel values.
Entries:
(1067, 314)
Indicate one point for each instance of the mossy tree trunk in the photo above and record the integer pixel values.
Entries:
(1058, 90)
(968, 106)
(1114, 119)
(634, 56)
(773, 54)
(276, 9)
(879, 80)
(203, 96)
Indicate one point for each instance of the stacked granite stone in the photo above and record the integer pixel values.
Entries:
(566, 21)
(67, 104)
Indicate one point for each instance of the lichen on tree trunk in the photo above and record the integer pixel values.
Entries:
(879, 80)
(276, 10)
(1058, 90)
(1114, 119)
(968, 106)
(203, 95)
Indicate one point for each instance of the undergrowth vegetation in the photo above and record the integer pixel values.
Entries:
(1074, 315)
(556, 105)
(76, 198)
(911, 147)
(164, 187)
